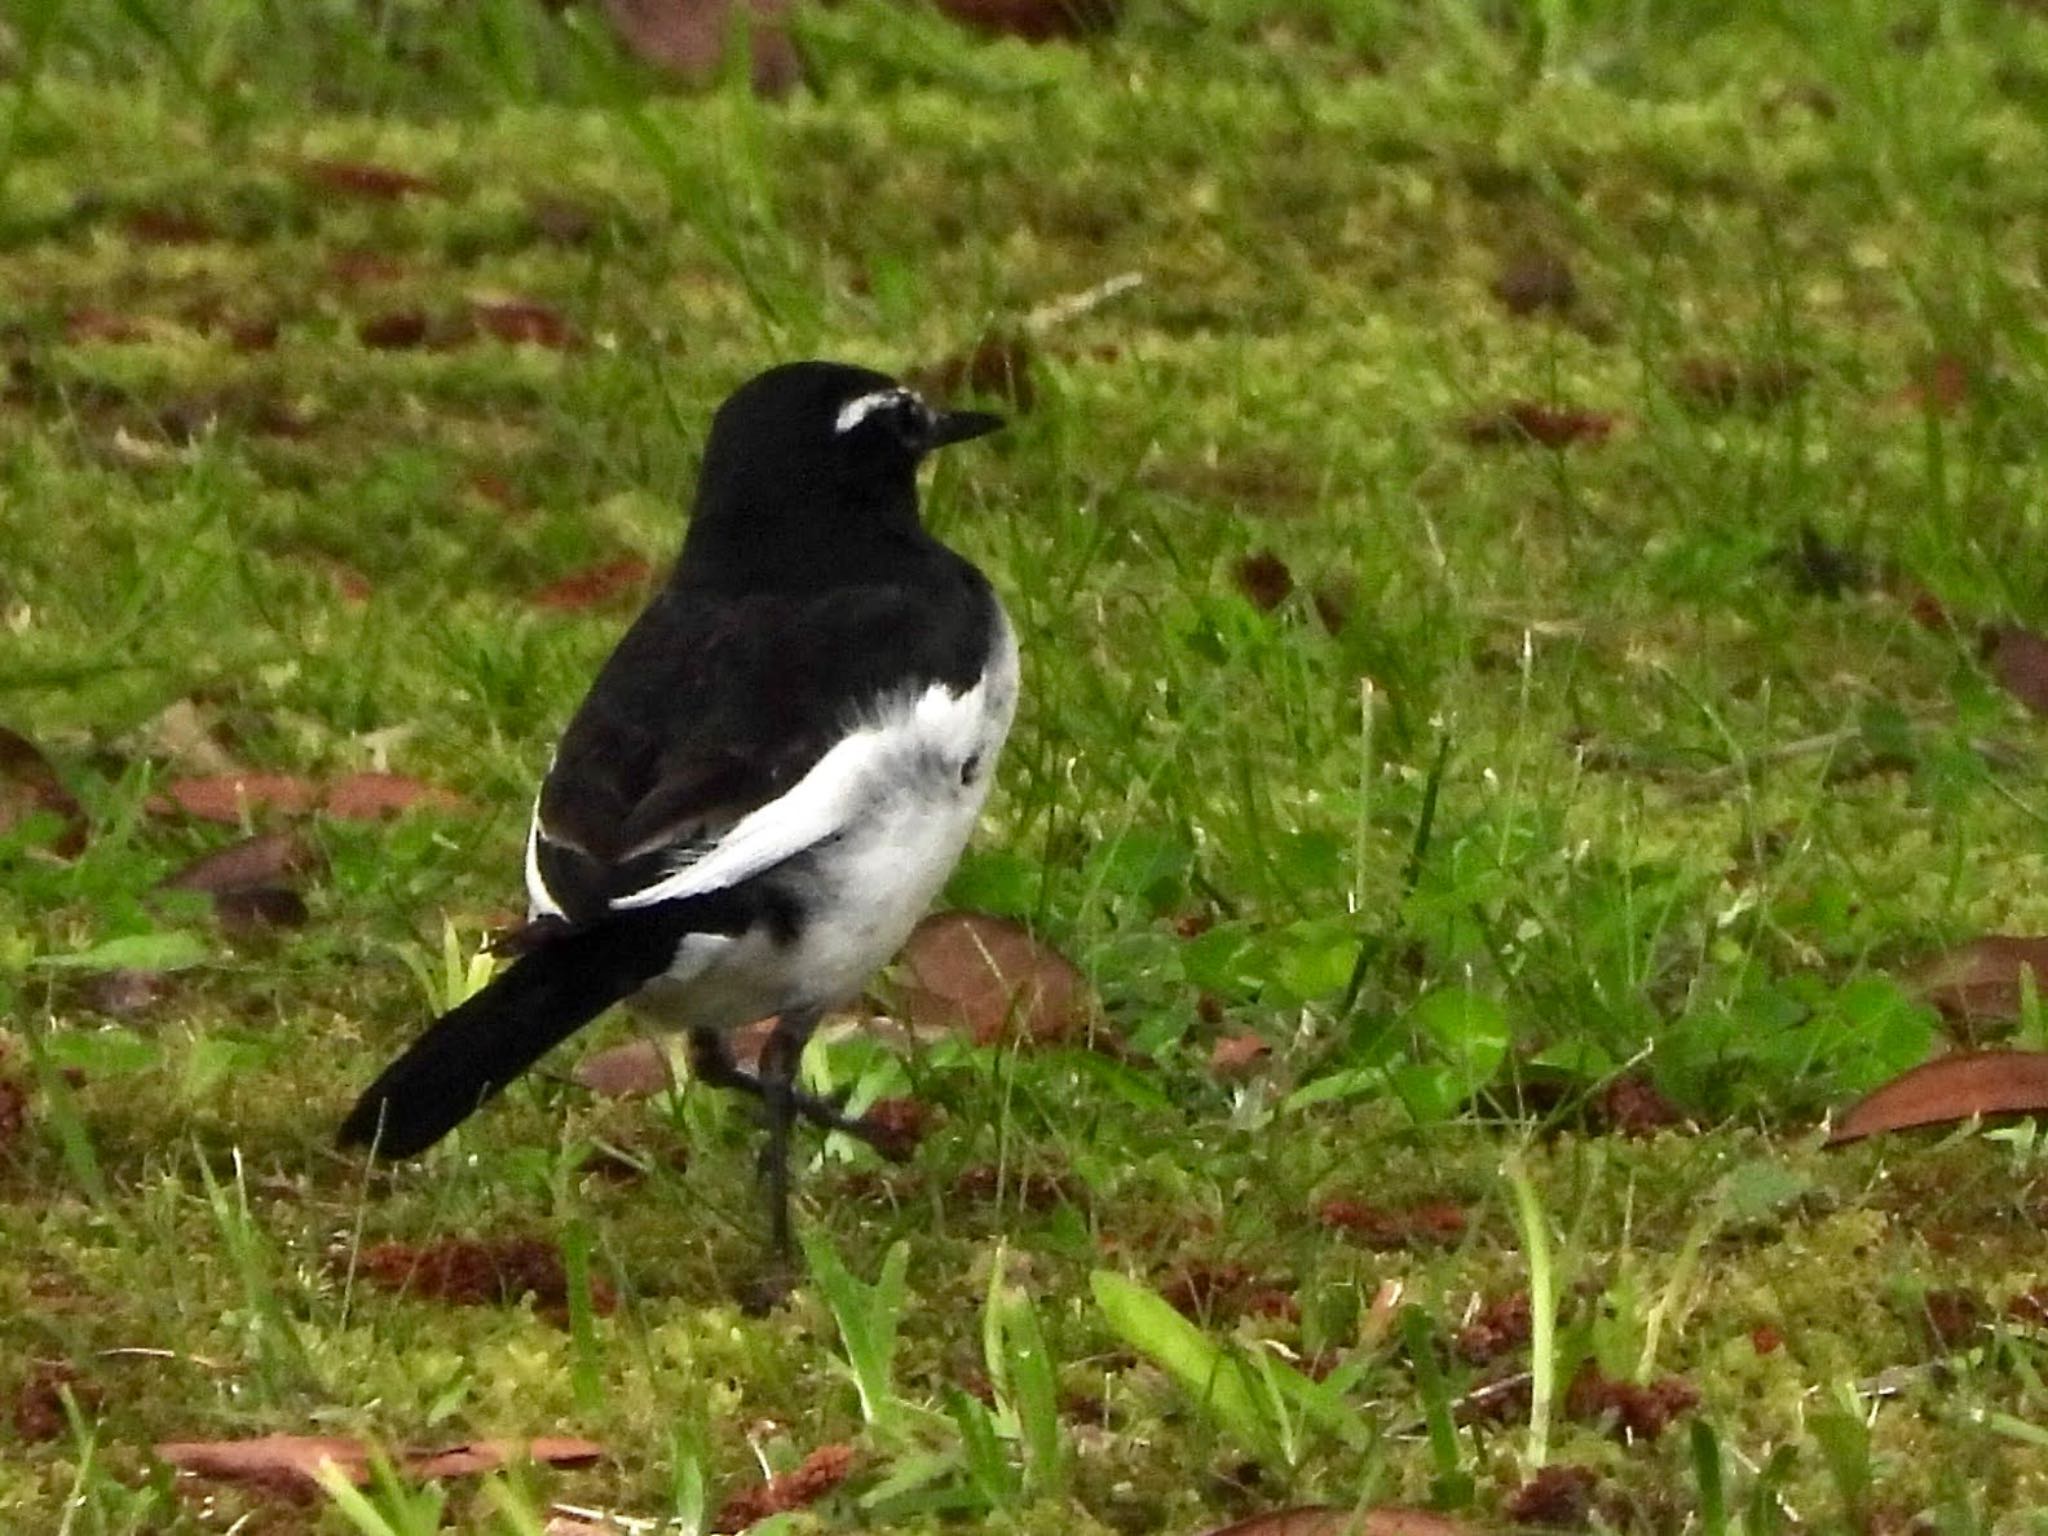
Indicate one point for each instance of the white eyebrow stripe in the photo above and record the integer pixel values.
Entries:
(858, 409)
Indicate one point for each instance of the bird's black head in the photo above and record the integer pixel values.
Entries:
(816, 462)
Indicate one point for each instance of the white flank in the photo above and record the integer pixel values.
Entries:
(865, 766)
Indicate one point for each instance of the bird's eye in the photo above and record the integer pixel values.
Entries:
(900, 407)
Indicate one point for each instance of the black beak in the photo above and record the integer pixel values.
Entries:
(958, 426)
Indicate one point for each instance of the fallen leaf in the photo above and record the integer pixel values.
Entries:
(895, 1126)
(1560, 1498)
(478, 1272)
(1534, 280)
(232, 798)
(595, 585)
(395, 330)
(1334, 596)
(253, 333)
(1499, 1328)
(989, 977)
(38, 1413)
(271, 1460)
(1329, 1520)
(1530, 421)
(1952, 1316)
(247, 912)
(124, 992)
(687, 38)
(286, 1460)
(29, 785)
(637, 1069)
(524, 321)
(1942, 387)
(1264, 579)
(1631, 1105)
(1634, 1412)
(357, 268)
(997, 367)
(376, 796)
(358, 178)
(13, 1113)
(1432, 1221)
(251, 863)
(1981, 981)
(90, 324)
(1237, 1055)
(496, 489)
(2019, 660)
(476, 1457)
(817, 1475)
(1030, 1189)
(1953, 1088)
(1035, 21)
(564, 220)
(167, 226)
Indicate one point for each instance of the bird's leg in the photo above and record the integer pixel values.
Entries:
(712, 1064)
(780, 1057)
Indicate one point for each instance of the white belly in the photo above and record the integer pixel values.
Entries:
(862, 890)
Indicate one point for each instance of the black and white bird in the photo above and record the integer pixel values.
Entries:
(769, 780)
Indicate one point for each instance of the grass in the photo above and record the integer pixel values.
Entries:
(1562, 834)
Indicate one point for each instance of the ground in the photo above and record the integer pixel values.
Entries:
(1504, 599)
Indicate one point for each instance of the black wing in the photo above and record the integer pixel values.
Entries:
(714, 705)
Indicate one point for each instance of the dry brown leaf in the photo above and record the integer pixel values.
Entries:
(987, 976)
(1530, 421)
(595, 585)
(247, 912)
(1982, 981)
(1950, 1089)
(251, 863)
(231, 798)
(268, 1458)
(1536, 279)
(1942, 386)
(997, 367)
(478, 1272)
(167, 226)
(818, 1474)
(88, 323)
(395, 330)
(375, 796)
(28, 785)
(687, 38)
(1035, 21)
(357, 178)
(13, 1113)
(2018, 658)
(526, 321)
(1264, 579)
(1237, 1055)
(1559, 1498)
(1328, 1520)
(479, 1456)
(358, 268)
(281, 1460)
(636, 1069)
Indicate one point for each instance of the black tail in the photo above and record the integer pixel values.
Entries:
(472, 1051)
